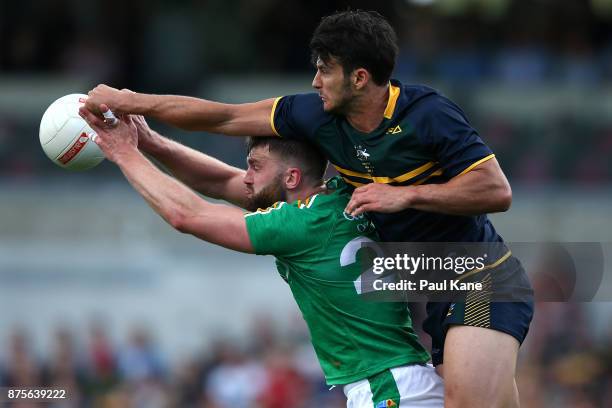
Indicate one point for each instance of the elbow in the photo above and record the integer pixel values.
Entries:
(503, 199)
(178, 221)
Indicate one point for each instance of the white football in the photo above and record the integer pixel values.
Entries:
(66, 138)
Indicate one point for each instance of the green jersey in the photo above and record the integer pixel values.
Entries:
(317, 250)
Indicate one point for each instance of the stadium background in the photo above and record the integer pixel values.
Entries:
(98, 294)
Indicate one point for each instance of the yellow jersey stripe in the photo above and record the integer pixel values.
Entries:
(353, 183)
(484, 268)
(272, 116)
(379, 179)
(414, 173)
(434, 174)
(352, 173)
(484, 159)
(394, 93)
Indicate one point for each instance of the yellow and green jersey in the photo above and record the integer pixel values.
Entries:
(318, 253)
(423, 138)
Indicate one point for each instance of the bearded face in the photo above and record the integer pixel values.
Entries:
(263, 179)
(267, 195)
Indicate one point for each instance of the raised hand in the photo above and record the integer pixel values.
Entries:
(117, 100)
(116, 142)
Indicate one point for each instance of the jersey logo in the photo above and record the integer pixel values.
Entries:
(362, 154)
(364, 157)
(394, 130)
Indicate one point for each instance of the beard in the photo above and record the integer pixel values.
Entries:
(268, 195)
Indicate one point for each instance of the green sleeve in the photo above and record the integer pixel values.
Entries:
(281, 230)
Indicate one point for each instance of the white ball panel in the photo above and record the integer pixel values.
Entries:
(61, 127)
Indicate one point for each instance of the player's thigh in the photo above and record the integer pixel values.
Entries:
(479, 368)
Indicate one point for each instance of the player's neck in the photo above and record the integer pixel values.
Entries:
(367, 110)
(303, 193)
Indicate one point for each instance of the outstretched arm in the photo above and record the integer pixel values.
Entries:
(484, 189)
(174, 202)
(203, 173)
(247, 119)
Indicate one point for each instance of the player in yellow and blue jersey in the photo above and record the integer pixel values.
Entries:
(418, 167)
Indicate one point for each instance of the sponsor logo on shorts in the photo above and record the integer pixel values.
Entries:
(386, 404)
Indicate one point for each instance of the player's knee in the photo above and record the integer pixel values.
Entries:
(457, 395)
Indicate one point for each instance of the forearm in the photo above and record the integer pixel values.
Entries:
(470, 194)
(189, 113)
(166, 196)
(182, 208)
(484, 189)
(203, 173)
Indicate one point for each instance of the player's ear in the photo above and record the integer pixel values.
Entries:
(293, 178)
(360, 78)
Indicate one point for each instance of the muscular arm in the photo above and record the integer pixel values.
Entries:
(247, 119)
(203, 173)
(200, 172)
(173, 201)
(484, 189)
(182, 208)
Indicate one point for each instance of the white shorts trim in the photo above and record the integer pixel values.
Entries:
(419, 387)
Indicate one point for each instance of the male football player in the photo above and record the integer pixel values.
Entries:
(368, 347)
(418, 167)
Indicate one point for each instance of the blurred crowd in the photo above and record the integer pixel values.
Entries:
(561, 365)
(262, 371)
(173, 44)
(181, 46)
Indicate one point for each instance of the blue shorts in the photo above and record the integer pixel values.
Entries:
(511, 317)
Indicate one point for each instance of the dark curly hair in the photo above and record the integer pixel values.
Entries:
(357, 39)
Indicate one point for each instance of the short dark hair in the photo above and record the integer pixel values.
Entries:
(310, 159)
(357, 39)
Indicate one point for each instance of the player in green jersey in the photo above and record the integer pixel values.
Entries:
(368, 347)
(418, 167)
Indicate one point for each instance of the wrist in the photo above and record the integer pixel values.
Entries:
(152, 143)
(409, 198)
(126, 156)
(133, 102)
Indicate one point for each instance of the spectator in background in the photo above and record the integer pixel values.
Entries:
(236, 382)
(22, 367)
(63, 371)
(101, 364)
(140, 360)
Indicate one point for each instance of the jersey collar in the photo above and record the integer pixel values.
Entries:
(394, 93)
